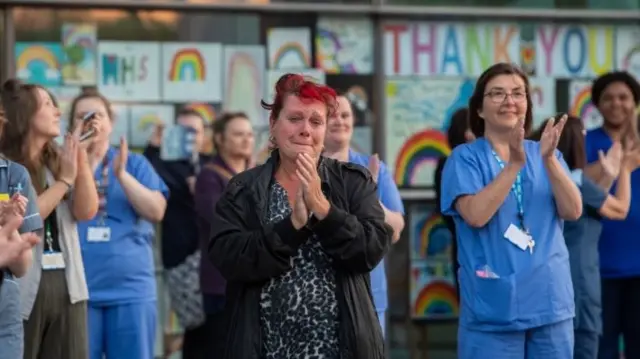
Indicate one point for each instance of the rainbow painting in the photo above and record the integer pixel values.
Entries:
(436, 300)
(581, 105)
(422, 148)
(187, 65)
(79, 34)
(39, 63)
(430, 237)
(208, 112)
(291, 55)
(626, 62)
(147, 121)
(244, 81)
(289, 48)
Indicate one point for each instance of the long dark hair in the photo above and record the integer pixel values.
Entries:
(20, 103)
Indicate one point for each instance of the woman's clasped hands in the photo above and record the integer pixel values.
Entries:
(309, 198)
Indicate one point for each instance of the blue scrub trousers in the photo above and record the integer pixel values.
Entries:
(122, 331)
(553, 341)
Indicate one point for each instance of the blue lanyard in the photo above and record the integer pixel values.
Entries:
(517, 191)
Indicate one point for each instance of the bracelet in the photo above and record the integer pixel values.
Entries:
(65, 182)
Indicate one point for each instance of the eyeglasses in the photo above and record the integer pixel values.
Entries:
(499, 97)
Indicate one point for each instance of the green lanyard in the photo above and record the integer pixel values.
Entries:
(48, 236)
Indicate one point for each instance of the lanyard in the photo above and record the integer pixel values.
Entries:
(48, 235)
(102, 184)
(517, 191)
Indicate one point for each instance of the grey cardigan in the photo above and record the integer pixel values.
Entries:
(70, 246)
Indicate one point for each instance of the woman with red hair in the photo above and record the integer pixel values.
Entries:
(296, 238)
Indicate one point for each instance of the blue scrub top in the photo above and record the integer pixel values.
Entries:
(582, 237)
(122, 269)
(618, 249)
(531, 289)
(390, 198)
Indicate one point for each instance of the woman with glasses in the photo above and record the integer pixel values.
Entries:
(508, 197)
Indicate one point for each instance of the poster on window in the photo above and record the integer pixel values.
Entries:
(362, 140)
(543, 97)
(575, 50)
(418, 114)
(432, 290)
(39, 63)
(244, 74)
(448, 48)
(145, 118)
(289, 48)
(580, 104)
(429, 236)
(129, 71)
(628, 49)
(121, 123)
(344, 45)
(80, 46)
(191, 72)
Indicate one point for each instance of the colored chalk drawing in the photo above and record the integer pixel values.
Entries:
(143, 119)
(429, 236)
(191, 72)
(344, 45)
(39, 62)
(574, 50)
(628, 49)
(432, 290)
(580, 104)
(418, 113)
(455, 49)
(543, 96)
(289, 48)
(121, 124)
(129, 71)
(80, 47)
(244, 87)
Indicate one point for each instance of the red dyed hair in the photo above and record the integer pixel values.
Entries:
(305, 89)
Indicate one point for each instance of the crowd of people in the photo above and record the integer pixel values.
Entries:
(285, 259)
(281, 259)
(544, 222)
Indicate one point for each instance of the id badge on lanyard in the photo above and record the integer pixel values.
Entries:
(51, 259)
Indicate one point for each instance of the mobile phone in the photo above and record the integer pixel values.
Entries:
(88, 117)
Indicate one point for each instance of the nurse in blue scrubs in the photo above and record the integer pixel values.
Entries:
(617, 95)
(582, 236)
(337, 145)
(117, 243)
(508, 197)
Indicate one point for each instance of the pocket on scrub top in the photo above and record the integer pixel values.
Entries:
(495, 300)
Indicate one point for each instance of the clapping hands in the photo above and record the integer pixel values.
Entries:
(309, 198)
(551, 136)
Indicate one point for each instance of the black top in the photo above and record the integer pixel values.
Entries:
(51, 224)
(448, 220)
(179, 225)
(249, 253)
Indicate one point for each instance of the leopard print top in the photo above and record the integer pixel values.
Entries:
(299, 309)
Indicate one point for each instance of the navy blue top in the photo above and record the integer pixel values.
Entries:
(582, 237)
(618, 250)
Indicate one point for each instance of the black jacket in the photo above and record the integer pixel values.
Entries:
(249, 252)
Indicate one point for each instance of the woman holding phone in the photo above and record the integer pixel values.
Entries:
(54, 291)
(117, 242)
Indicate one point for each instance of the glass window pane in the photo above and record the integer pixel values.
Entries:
(531, 4)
